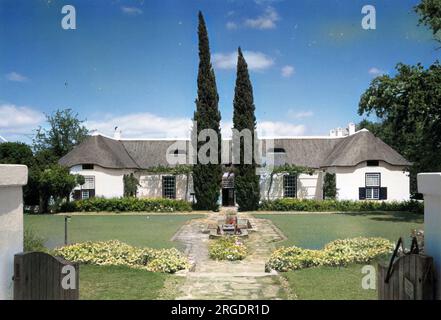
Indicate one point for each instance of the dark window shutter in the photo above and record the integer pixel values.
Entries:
(92, 193)
(383, 193)
(362, 193)
(77, 195)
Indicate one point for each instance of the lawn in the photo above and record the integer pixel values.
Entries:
(121, 283)
(315, 230)
(153, 231)
(329, 283)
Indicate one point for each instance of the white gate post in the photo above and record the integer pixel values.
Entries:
(12, 180)
(429, 184)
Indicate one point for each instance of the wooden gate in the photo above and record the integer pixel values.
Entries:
(39, 276)
(411, 277)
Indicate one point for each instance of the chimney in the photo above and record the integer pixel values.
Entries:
(339, 132)
(332, 133)
(351, 128)
(117, 134)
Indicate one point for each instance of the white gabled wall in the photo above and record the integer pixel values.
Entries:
(151, 186)
(308, 186)
(108, 182)
(350, 179)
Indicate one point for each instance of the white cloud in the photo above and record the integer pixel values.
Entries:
(300, 114)
(133, 11)
(142, 125)
(18, 120)
(268, 129)
(257, 61)
(265, 21)
(147, 125)
(279, 129)
(231, 25)
(16, 77)
(287, 71)
(374, 71)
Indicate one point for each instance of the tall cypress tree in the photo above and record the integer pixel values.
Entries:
(207, 177)
(246, 180)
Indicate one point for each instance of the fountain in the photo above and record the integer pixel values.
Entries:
(231, 225)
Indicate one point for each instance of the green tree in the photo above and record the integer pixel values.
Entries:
(246, 181)
(207, 177)
(57, 183)
(130, 185)
(330, 186)
(430, 15)
(407, 106)
(21, 153)
(65, 131)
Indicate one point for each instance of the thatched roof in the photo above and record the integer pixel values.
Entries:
(105, 152)
(307, 152)
(360, 147)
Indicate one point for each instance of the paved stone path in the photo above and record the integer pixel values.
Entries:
(244, 279)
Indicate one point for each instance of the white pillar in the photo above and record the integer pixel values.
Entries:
(12, 180)
(429, 184)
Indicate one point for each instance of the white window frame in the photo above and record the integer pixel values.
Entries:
(372, 186)
(83, 192)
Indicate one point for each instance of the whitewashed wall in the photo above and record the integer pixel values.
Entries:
(12, 179)
(308, 186)
(151, 186)
(108, 182)
(429, 184)
(350, 179)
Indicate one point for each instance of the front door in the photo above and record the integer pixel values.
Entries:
(228, 197)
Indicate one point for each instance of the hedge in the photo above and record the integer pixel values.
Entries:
(292, 204)
(227, 248)
(126, 205)
(116, 253)
(335, 253)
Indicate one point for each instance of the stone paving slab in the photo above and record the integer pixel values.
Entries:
(244, 279)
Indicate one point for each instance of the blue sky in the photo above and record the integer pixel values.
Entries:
(133, 64)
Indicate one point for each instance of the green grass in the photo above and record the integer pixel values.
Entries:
(329, 283)
(314, 230)
(153, 231)
(119, 283)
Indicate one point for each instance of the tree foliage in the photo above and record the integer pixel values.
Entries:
(207, 177)
(56, 182)
(430, 15)
(330, 186)
(21, 153)
(65, 131)
(246, 181)
(407, 107)
(130, 185)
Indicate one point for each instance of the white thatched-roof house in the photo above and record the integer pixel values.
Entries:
(366, 168)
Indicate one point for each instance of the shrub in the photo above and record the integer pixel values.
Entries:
(335, 253)
(126, 205)
(32, 242)
(117, 253)
(227, 248)
(292, 204)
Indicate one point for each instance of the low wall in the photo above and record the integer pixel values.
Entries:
(12, 179)
(429, 184)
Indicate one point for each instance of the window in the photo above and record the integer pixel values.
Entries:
(277, 150)
(289, 186)
(169, 187)
(87, 166)
(89, 182)
(85, 194)
(373, 182)
(372, 163)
